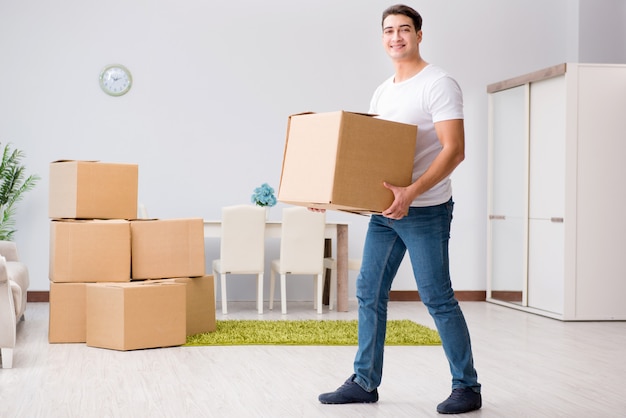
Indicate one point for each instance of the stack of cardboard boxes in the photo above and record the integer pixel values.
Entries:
(116, 281)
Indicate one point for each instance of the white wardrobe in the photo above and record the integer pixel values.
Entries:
(557, 192)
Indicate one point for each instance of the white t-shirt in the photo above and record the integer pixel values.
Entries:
(428, 97)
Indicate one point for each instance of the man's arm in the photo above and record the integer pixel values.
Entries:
(451, 134)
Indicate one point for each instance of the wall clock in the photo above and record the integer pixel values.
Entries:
(115, 80)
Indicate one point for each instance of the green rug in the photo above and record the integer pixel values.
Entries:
(309, 332)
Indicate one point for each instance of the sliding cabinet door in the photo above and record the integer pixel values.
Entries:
(547, 195)
(508, 194)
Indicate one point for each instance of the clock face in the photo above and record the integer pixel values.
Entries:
(115, 80)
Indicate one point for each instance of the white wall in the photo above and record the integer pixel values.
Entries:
(602, 31)
(214, 83)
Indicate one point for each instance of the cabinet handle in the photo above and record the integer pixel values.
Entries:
(496, 217)
(556, 220)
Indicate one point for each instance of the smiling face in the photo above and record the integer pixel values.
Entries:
(400, 39)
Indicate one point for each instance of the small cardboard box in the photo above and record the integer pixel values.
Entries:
(93, 190)
(166, 248)
(67, 313)
(131, 316)
(89, 251)
(200, 303)
(339, 160)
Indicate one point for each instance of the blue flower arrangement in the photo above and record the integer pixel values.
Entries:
(264, 196)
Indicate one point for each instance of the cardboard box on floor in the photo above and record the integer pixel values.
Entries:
(90, 251)
(67, 313)
(339, 160)
(165, 248)
(200, 303)
(67, 322)
(136, 315)
(93, 190)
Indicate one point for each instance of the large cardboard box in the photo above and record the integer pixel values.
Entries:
(67, 313)
(339, 160)
(200, 303)
(93, 190)
(89, 250)
(130, 316)
(166, 248)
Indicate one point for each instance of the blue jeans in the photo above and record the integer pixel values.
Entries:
(425, 233)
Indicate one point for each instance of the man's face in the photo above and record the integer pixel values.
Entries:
(400, 39)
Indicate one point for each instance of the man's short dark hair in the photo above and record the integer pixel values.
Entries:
(401, 9)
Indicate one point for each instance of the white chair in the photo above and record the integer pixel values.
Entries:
(331, 264)
(14, 284)
(142, 211)
(301, 252)
(242, 247)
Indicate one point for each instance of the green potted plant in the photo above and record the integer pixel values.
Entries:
(13, 184)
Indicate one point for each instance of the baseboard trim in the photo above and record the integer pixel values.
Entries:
(38, 296)
(394, 296)
(461, 295)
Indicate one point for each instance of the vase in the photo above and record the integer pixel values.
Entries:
(267, 213)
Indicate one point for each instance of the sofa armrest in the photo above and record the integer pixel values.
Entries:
(8, 249)
(4, 274)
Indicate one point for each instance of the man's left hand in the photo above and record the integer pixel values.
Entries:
(401, 202)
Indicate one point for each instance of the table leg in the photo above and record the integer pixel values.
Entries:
(342, 268)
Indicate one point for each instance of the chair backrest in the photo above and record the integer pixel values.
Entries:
(242, 247)
(302, 241)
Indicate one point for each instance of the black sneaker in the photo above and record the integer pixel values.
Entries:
(461, 400)
(349, 392)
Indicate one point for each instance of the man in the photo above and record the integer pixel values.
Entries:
(418, 219)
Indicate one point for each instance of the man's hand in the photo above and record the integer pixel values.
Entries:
(452, 138)
(401, 202)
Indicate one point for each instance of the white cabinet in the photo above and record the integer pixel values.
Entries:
(557, 174)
